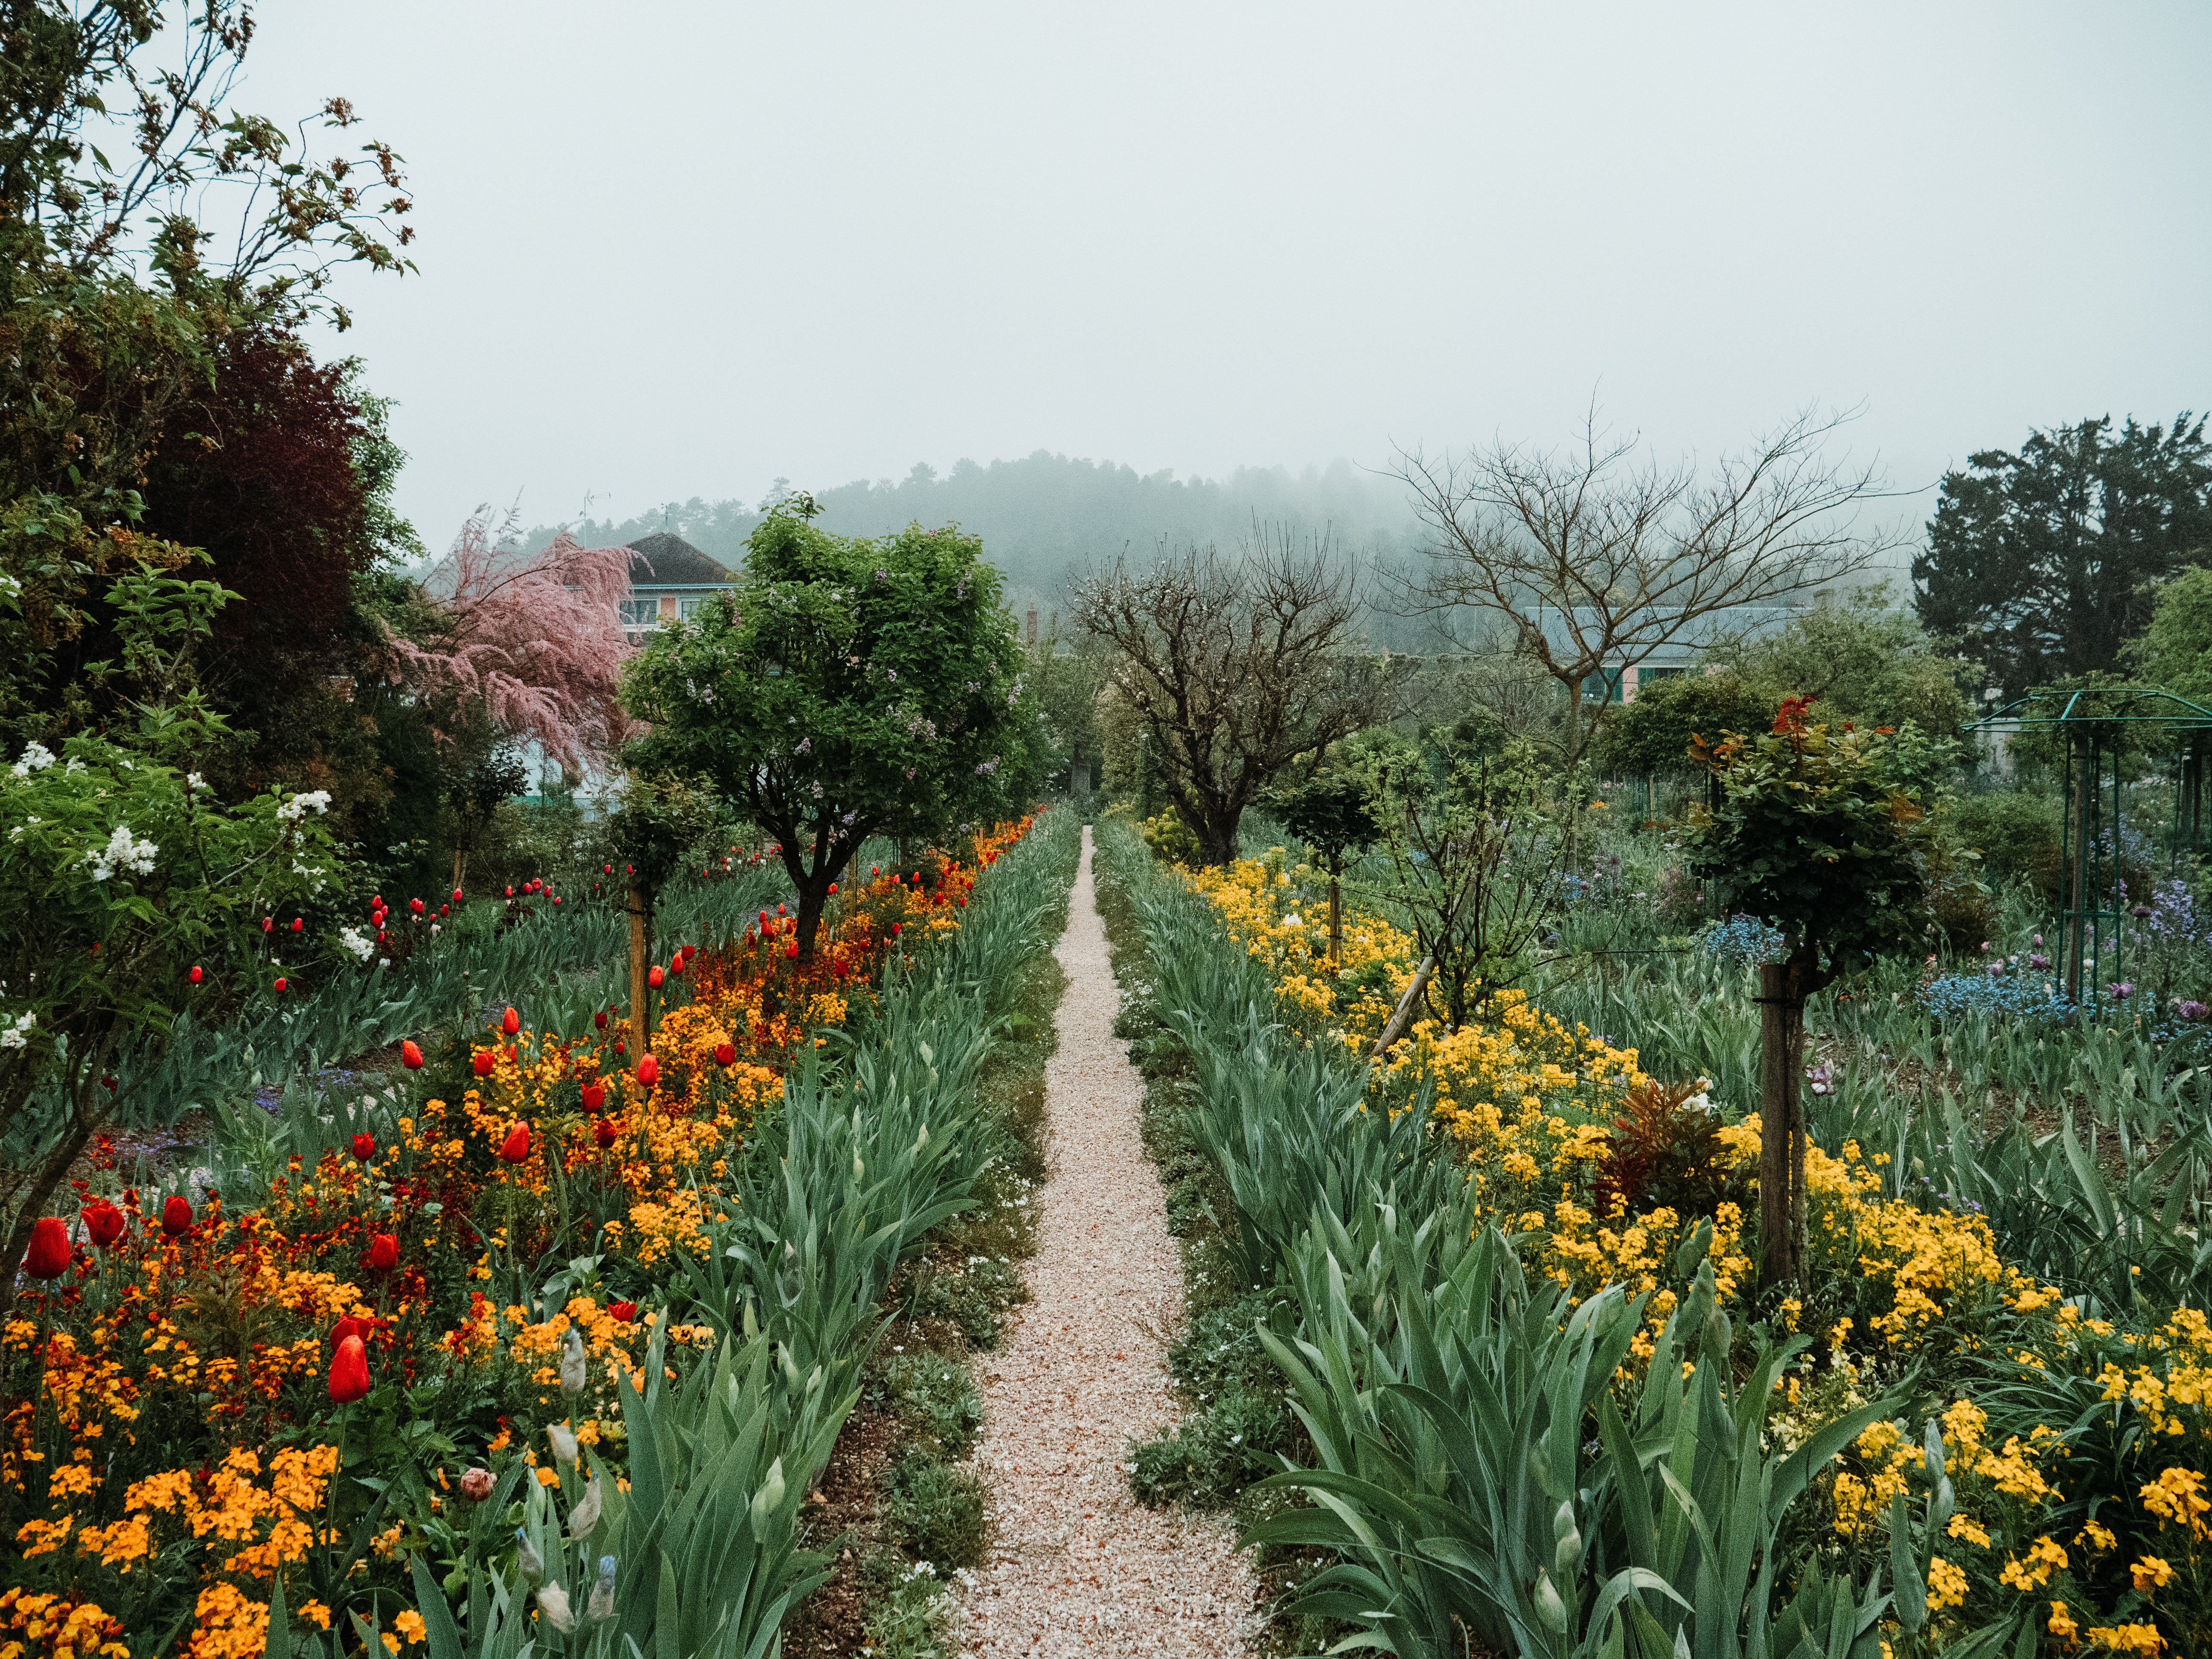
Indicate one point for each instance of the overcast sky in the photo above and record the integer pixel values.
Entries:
(679, 249)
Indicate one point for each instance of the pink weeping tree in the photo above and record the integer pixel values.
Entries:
(530, 643)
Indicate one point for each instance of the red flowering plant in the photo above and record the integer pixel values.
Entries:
(118, 872)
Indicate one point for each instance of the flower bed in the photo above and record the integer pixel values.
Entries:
(2076, 1448)
(205, 1395)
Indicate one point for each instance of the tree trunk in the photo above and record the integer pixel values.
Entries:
(640, 1012)
(82, 1123)
(1781, 1123)
(811, 902)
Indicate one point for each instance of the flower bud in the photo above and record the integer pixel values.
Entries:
(476, 1484)
(563, 1441)
(573, 1361)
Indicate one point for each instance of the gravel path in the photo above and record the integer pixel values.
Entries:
(1076, 1565)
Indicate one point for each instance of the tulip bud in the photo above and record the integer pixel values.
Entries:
(383, 1253)
(563, 1441)
(176, 1218)
(655, 976)
(298, 922)
(1549, 1608)
(195, 976)
(833, 889)
(573, 1361)
(280, 986)
(476, 1484)
(601, 1606)
(268, 924)
(516, 1146)
(457, 896)
(348, 1372)
(411, 1056)
(648, 1071)
(599, 1019)
(49, 1254)
(510, 1021)
(526, 1556)
(769, 1497)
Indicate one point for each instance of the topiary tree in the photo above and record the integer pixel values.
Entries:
(1331, 812)
(1808, 831)
(841, 689)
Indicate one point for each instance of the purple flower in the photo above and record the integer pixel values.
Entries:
(2037, 941)
(2187, 1010)
(1996, 970)
(2039, 961)
(1823, 1078)
(2121, 990)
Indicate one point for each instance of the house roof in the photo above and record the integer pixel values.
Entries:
(669, 561)
(1752, 621)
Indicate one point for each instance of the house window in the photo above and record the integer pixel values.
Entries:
(1603, 687)
(689, 608)
(637, 613)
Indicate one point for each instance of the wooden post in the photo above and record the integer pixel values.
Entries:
(1781, 1124)
(640, 1012)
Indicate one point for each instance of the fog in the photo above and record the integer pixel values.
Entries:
(673, 250)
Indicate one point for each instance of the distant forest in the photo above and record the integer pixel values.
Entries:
(1041, 517)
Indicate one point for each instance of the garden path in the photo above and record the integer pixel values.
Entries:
(1075, 1564)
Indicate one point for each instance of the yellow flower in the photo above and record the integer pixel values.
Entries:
(2150, 1573)
(1946, 1584)
(410, 1625)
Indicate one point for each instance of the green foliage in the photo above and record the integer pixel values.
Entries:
(2175, 651)
(937, 1513)
(2016, 833)
(841, 689)
(935, 1401)
(1866, 662)
(1171, 839)
(1653, 734)
(1812, 833)
(2042, 564)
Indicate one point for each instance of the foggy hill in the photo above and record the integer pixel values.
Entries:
(1041, 517)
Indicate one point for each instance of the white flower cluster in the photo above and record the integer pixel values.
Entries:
(122, 852)
(298, 807)
(356, 941)
(37, 757)
(19, 1034)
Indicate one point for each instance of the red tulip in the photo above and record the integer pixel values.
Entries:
(963, 901)
(195, 976)
(358, 1329)
(443, 908)
(268, 924)
(377, 903)
(176, 1218)
(897, 926)
(364, 1148)
(510, 1021)
(599, 1019)
(483, 1062)
(654, 977)
(457, 896)
(510, 892)
(725, 1054)
(594, 1097)
(676, 966)
(383, 1253)
(792, 950)
(622, 1048)
(516, 1146)
(411, 1056)
(610, 869)
(415, 905)
(280, 986)
(763, 923)
(556, 898)
(348, 1372)
(778, 910)
(603, 1133)
(875, 869)
(624, 1312)
(632, 868)
(49, 1254)
(298, 922)
(833, 889)
(648, 1071)
(104, 1222)
(689, 951)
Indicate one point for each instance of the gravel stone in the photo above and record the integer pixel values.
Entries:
(1075, 1564)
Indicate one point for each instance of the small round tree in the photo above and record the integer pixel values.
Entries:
(1807, 830)
(841, 689)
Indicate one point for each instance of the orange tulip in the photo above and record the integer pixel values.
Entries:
(411, 1056)
(516, 1146)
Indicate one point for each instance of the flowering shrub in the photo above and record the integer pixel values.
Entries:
(202, 1396)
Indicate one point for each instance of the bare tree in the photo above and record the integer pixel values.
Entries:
(1239, 666)
(1594, 558)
